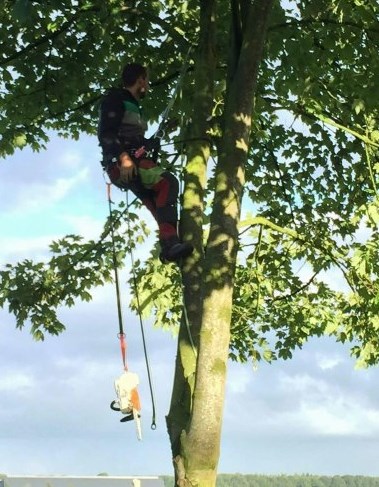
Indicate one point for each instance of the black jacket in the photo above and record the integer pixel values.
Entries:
(121, 124)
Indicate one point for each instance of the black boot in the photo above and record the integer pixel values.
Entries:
(173, 250)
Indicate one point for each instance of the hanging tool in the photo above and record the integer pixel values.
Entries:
(127, 401)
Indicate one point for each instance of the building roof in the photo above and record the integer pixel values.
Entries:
(79, 481)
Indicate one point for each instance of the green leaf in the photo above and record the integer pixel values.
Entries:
(21, 11)
(358, 106)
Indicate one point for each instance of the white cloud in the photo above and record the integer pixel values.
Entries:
(14, 249)
(40, 195)
(70, 158)
(44, 195)
(303, 384)
(326, 362)
(340, 417)
(17, 382)
(64, 185)
(324, 408)
(85, 225)
(239, 379)
(76, 372)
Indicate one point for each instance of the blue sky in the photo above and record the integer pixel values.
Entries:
(314, 414)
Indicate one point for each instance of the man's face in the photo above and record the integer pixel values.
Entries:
(143, 86)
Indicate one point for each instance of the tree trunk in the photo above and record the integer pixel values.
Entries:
(192, 229)
(196, 411)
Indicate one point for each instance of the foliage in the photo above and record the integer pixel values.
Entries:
(34, 291)
(311, 176)
(296, 147)
(59, 57)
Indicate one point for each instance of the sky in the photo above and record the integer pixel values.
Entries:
(314, 414)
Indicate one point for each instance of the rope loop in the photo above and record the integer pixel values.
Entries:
(123, 346)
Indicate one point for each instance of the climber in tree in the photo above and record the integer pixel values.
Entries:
(125, 158)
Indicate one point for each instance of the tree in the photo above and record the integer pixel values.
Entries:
(298, 145)
(338, 482)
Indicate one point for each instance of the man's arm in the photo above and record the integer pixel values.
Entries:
(111, 113)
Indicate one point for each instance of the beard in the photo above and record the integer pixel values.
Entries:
(142, 93)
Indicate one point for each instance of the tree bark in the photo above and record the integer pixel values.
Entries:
(208, 281)
(192, 219)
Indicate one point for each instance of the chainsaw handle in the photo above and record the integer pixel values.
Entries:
(113, 406)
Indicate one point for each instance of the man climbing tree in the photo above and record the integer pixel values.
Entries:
(298, 143)
(121, 135)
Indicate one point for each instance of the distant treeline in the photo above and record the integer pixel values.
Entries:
(239, 480)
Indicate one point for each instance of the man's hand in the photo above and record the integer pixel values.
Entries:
(128, 170)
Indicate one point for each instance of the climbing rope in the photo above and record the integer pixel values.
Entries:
(126, 385)
(121, 334)
(160, 133)
(135, 286)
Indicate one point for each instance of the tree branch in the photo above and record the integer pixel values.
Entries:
(261, 220)
(336, 257)
(297, 291)
(47, 38)
(299, 109)
(310, 21)
(169, 28)
(329, 121)
(145, 15)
